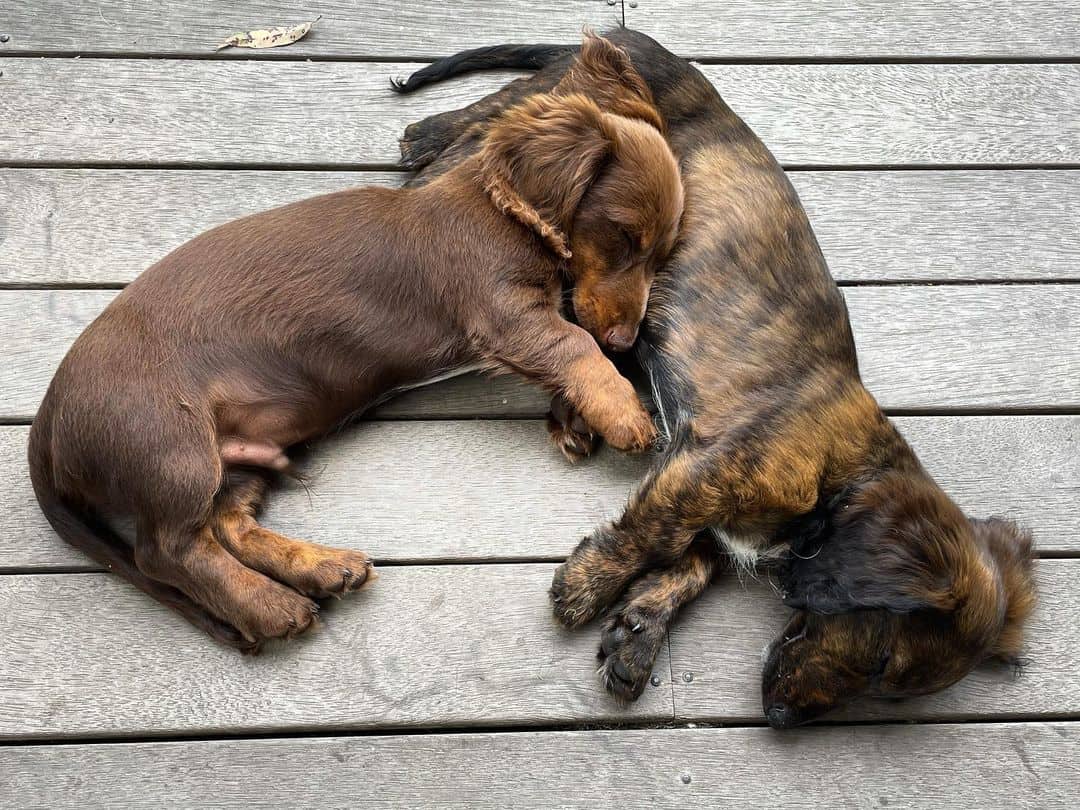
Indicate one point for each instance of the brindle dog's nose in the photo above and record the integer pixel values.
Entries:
(620, 338)
(777, 715)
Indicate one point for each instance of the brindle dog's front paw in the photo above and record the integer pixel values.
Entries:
(629, 644)
(576, 597)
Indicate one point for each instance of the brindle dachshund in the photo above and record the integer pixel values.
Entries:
(774, 447)
(181, 398)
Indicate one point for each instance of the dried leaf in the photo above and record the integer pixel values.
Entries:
(268, 37)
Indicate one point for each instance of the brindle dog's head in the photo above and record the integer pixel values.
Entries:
(899, 594)
(587, 167)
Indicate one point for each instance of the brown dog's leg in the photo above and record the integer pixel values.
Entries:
(664, 515)
(568, 431)
(110, 550)
(315, 570)
(635, 629)
(195, 563)
(565, 357)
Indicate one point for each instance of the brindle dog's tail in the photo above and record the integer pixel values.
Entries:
(492, 57)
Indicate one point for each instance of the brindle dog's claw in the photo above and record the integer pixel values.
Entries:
(629, 644)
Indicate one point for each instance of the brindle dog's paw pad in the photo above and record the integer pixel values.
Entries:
(629, 643)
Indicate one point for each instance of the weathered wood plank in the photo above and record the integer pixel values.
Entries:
(430, 647)
(1021, 765)
(347, 29)
(87, 226)
(468, 491)
(720, 638)
(794, 29)
(977, 347)
(1015, 346)
(945, 226)
(733, 30)
(125, 111)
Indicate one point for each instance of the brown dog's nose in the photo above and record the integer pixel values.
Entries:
(620, 338)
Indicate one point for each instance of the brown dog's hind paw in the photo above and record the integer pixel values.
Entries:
(279, 612)
(336, 573)
(629, 644)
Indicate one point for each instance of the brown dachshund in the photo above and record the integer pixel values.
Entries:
(773, 446)
(181, 399)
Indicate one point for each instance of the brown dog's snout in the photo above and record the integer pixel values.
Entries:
(621, 337)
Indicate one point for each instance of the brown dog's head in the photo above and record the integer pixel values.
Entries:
(899, 594)
(586, 166)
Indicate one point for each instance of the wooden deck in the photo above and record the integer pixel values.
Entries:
(937, 148)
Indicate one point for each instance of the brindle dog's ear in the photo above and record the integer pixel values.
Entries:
(862, 562)
(540, 158)
(604, 73)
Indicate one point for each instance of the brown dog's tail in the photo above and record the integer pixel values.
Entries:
(492, 57)
(84, 530)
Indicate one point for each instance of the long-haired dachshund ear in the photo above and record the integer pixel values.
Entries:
(603, 72)
(863, 565)
(540, 158)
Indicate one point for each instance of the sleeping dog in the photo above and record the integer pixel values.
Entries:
(774, 449)
(182, 398)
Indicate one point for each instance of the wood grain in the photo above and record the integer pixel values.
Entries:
(941, 767)
(429, 648)
(868, 29)
(719, 640)
(985, 347)
(347, 29)
(193, 112)
(86, 654)
(92, 226)
(495, 490)
(781, 29)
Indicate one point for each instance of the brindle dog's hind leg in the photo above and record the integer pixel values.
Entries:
(635, 629)
(317, 571)
(439, 141)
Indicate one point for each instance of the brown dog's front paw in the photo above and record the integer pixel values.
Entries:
(629, 644)
(632, 432)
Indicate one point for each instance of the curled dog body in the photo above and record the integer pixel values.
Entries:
(179, 403)
(773, 447)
